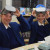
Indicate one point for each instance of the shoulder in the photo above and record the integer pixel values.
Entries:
(1, 26)
(13, 23)
(34, 23)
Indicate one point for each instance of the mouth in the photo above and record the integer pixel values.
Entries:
(7, 21)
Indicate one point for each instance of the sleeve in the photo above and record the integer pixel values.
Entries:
(33, 35)
(24, 25)
(48, 20)
(1, 48)
(30, 20)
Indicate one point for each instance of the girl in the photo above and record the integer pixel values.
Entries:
(39, 28)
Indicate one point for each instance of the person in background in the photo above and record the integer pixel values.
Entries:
(0, 17)
(23, 12)
(10, 32)
(41, 27)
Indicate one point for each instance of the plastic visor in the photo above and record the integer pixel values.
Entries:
(4, 11)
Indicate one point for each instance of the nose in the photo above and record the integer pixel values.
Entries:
(9, 18)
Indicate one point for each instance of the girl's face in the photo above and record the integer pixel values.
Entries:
(6, 18)
(40, 17)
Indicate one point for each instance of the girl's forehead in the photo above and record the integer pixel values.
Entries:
(40, 14)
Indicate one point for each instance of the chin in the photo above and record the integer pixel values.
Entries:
(7, 22)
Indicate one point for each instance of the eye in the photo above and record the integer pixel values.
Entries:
(42, 15)
(38, 15)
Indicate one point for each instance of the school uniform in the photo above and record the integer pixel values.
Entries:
(38, 31)
(11, 37)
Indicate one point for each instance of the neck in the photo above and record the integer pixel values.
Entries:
(6, 24)
(41, 22)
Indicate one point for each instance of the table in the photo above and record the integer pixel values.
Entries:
(27, 46)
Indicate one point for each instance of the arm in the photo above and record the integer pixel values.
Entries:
(24, 25)
(1, 48)
(30, 20)
(33, 15)
(33, 34)
(48, 20)
(47, 16)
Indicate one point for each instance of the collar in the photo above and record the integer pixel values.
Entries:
(7, 26)
(40, 24)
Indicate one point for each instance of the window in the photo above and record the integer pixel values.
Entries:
(0, 6)
(29, 3)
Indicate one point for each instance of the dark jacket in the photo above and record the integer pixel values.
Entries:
(17, 29)
(38, 32)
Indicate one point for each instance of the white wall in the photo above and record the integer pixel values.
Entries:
(6, 2)
(45, 1)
